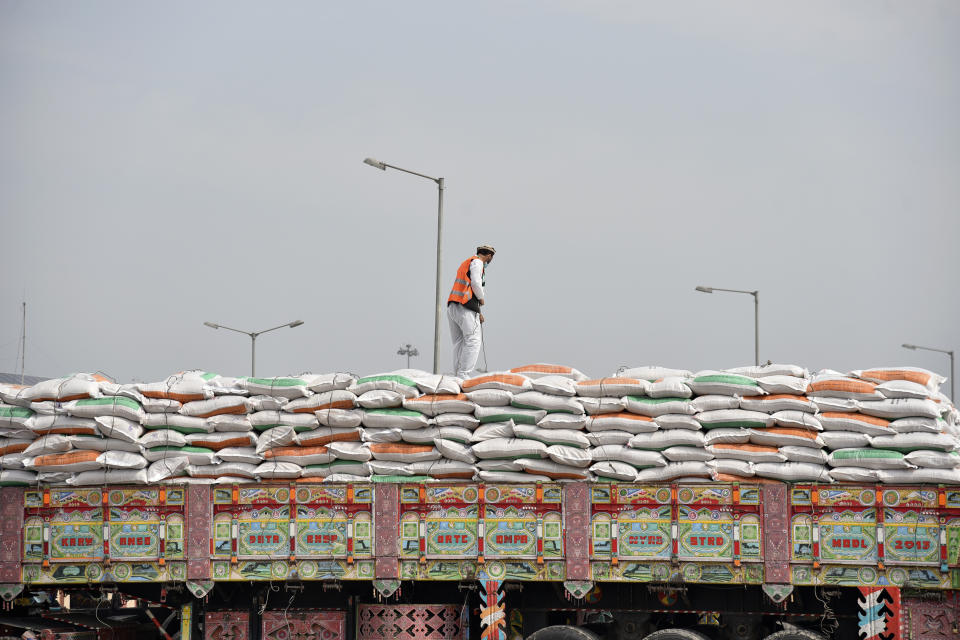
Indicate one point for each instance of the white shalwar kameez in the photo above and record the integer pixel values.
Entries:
(465, 326)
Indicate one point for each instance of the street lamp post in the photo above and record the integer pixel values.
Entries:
(408, 350)
(383, 166)
(253, 339)
(949, 352)
(756, 316)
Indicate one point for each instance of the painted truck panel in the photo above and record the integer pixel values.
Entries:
(749, 533)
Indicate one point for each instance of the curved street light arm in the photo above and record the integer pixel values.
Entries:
(916, 346)
(248, 333)
(756, 315)
(422, 175)
(373, 162)
(285, 324)
(752, 293)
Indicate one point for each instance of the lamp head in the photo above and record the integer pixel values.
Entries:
(373, 162)
(212, 325)
(912, 347)
(295, 323)
(705, 289)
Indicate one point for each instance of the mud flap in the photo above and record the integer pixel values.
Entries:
(777, 592)
(386, 587)
(10, 591)
(577, 589)
(199, 588)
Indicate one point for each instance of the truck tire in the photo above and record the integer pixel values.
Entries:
(676, 634)
(562, 632)
(795, 634)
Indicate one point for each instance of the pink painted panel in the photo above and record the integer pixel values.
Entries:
(226, 625)
(776, 550)
(576, 524)
(199, 522)
(409, 622)
(386, 522)
(11, 533)
(926, 619)
(304, 624)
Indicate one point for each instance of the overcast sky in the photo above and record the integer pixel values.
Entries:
(167, 163)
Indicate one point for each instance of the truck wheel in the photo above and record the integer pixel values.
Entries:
(795, 634)
(676, 634)
(562, 632)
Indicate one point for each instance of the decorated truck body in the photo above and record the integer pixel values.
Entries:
(435, 560)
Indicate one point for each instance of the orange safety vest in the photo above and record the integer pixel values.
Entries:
(462, 292)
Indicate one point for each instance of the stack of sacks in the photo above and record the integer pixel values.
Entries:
(530, 425)
(897, 426)
(640, 426)
(533, 423)
(773, 432)
(76, 429)
(15, 436)
(397, 439)
(294, 429)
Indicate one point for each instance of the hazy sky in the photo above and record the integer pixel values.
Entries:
(167, 163)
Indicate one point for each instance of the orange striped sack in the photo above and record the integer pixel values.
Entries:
(502, 381)
(326, 435)
(13, 446)
(397, 452)
(84, 460)
(748, 452)
(535, 371)
(843, 388)
(910, 374)
(301, 455)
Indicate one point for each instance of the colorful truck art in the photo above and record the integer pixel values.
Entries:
(846, 535)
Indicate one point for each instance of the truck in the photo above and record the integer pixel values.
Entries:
(748, 560)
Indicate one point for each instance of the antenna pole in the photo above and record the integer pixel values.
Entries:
(23, 342)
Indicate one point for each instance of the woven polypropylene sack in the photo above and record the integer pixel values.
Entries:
(541, 370)
(614, 470)
(638, 458)
(403, 385)
(572, 456)
(623, 421)
(546, 402)
(935, 459)
(302, 456)
(553, 470)
(509, 448)
(725, 384)
(612, 387)
(566, 437)
(653, 407)
(674, 470)
(844, 439)
(793, 471)
(433, 405)
(747, 452)
(660, 440)
(511, 382)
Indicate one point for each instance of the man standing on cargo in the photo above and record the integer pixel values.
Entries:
(463, 310)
